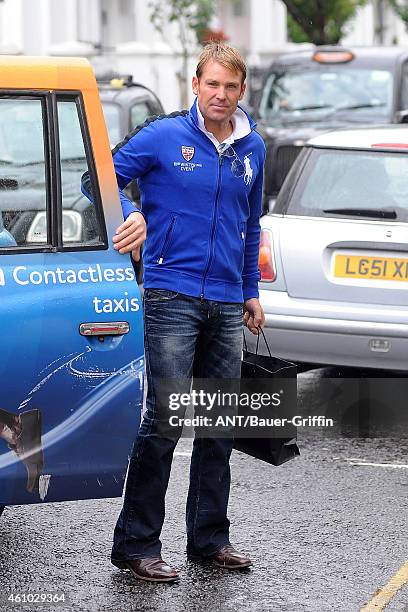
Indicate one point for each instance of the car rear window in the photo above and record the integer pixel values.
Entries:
(334, 180)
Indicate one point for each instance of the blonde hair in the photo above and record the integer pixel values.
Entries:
(223, 54)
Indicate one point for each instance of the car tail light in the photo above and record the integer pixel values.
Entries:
(390, 145)
(266, 259)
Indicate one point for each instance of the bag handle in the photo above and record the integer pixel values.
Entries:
(257, 342)
(266, 343)
(245, 342)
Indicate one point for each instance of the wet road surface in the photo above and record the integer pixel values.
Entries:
(324, 531)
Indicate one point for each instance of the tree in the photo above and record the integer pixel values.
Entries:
(193, 18)
(321, 22)
(401, 8)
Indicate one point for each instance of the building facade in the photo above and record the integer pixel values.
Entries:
(118, 35)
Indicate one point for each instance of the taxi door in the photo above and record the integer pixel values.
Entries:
(71, 369)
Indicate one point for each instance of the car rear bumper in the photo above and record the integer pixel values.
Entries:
(335, 333)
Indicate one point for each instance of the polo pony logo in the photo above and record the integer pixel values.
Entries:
(187, 152)
(248, 170)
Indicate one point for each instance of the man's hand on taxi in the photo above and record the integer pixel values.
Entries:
(130, 235)
(254, 316)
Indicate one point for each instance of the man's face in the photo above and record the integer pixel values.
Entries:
(218, 91)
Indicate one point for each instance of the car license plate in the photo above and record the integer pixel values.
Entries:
(375, 268)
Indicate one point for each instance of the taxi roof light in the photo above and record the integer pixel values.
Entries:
(114, 79)
(332, 56)
(117, 83)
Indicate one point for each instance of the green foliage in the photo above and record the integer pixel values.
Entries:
(321, 22)
(401, 8)
(295, 32)
(194, 15)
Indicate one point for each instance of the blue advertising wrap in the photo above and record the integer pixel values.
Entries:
(76, 398)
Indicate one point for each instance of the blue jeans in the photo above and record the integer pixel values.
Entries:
(184, 337)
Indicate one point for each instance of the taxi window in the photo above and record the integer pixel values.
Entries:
(315, 91)
(112, 118)
(23, 172)
(44, 151)
(138, 113)
(79, 220)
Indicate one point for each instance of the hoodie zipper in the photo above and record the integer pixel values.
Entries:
(166, 240)
(213, 225)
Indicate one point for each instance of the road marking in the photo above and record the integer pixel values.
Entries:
(349, 460)
(383, 596)
(362, 462)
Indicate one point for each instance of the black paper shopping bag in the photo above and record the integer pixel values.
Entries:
(274, 377)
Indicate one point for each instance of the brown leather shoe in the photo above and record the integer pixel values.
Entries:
(153, 569)
(229, 558)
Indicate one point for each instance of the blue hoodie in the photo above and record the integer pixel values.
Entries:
(202, 219)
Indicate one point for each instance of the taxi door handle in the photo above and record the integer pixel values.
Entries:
(116, 328)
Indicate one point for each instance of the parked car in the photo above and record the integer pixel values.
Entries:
(72, 342)
(310, 92)
(334, 253)
(125, 105)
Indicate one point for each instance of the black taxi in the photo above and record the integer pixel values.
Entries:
(312, 91)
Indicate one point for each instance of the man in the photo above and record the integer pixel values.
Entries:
(200, 177)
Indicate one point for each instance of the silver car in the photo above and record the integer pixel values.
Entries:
(334, 253)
